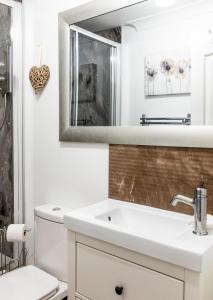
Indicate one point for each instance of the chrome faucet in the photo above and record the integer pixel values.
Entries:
(199, 204)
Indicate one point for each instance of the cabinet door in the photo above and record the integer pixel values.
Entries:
(101, 276)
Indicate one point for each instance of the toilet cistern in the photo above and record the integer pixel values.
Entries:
(199, 204)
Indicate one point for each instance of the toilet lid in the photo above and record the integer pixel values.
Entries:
(28, 283)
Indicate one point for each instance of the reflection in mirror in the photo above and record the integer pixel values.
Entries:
(147, 64)
(95, 63)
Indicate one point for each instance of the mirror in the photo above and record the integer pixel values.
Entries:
(145, 64)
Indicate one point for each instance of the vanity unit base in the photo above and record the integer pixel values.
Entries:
(102, 271)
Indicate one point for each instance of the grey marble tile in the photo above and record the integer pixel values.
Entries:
(6, 133)
(113, 34)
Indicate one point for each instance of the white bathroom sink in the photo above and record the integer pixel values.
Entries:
(158, 225)
(160, 234)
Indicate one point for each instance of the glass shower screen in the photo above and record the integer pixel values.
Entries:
(93, 86)
(6, 123)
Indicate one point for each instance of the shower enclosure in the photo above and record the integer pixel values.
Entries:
(10, 113)
(94, 82)
(6, 145)
(6, 130)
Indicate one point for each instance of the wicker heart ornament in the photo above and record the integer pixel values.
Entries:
(39, 77)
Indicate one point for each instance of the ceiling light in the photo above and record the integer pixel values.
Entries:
(165, 3)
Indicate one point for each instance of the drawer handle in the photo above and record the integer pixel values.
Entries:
(119, 290)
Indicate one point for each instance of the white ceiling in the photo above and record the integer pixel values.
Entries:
(141, 10)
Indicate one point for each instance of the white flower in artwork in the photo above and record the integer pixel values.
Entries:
(167, 67)
(182, 68)
(151, 73)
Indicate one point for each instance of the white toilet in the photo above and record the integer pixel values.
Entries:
(47, 280)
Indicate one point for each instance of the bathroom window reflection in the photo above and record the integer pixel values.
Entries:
(94, 66)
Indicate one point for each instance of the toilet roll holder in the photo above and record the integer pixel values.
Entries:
(9, 262)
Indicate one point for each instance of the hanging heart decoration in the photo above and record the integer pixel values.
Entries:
(39, 77)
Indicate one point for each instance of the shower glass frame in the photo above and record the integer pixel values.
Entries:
(74, 74)
(16, 88)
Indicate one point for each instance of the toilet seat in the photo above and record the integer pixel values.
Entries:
(28, 283)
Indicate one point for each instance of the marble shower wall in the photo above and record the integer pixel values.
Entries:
(114, 34)
(153, 175)
(6, 139)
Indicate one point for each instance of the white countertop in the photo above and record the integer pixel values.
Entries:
(157, 233)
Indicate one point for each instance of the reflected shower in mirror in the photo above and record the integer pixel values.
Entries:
(146, 64)
(94, 65)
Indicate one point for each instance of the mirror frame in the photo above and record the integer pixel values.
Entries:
(178, 136)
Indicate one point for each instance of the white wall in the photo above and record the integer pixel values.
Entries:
(209, 89)
(186, 28)
(68, 174)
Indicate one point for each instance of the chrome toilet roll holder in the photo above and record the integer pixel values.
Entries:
(17, 259)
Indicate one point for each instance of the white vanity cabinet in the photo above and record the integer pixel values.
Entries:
(101, 276)
(102, 271)
(110, 261)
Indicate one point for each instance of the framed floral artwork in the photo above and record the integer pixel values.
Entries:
(168, 73)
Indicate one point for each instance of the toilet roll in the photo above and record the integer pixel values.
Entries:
(16, 233)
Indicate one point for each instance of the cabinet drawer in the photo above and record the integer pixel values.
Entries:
(98, 274)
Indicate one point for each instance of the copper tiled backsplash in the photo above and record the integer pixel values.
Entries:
(152, 175)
